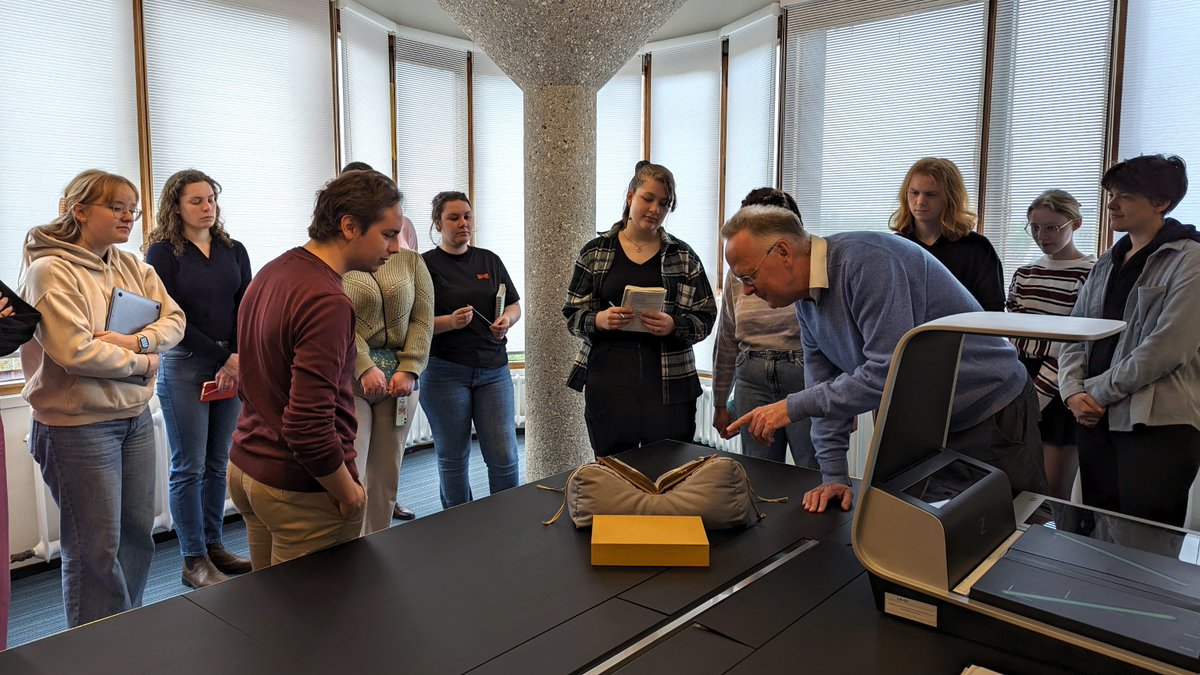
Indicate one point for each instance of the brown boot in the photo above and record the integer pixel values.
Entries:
(198, 572)
(227, 562)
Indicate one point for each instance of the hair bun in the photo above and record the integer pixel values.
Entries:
(641, 163)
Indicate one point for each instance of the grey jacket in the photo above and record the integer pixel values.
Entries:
(1155, 374)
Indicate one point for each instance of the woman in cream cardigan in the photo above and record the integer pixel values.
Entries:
(393, 325)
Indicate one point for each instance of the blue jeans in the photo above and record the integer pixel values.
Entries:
(766, 377)
(200, 435)
(102, 478)
(453, 396)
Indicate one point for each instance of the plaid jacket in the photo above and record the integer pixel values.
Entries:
(689, 301)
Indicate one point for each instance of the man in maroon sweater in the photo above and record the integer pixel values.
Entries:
(292, 473)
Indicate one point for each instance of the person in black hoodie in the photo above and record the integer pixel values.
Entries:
(1135, 393)
(17, 322)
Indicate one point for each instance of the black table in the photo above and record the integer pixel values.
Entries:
(486, 588)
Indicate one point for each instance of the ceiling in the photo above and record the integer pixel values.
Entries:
(696, 16)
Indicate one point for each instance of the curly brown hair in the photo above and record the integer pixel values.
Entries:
(168, 224)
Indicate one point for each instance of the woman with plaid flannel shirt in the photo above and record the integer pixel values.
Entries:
(639, 386)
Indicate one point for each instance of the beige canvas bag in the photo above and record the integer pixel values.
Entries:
(712, 487)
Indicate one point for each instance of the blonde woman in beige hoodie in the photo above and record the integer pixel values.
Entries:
(88, 391)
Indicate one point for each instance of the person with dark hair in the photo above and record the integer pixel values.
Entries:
(1050, 286)
(18, 320)
(475, 304)
(89, 390)
(934, 213)
(639, 386)
(1135, 392)
(408, 239)
(292, 474)
(856, 294)
(758, 354)
(207, 273)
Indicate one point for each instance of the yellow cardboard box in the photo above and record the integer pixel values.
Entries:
(649, 541)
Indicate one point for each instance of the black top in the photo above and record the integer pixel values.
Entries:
(209, 289)
(973, 261)
(17, 328)
(472, 278)
(624, 273)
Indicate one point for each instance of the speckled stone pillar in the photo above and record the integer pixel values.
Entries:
(560, 53)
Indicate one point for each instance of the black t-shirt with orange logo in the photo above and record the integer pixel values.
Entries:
(472, 278)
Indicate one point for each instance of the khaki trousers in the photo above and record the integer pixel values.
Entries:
(380, 448)
(282, 524)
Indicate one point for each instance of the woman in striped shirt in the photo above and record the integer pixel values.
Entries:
(1050, 286)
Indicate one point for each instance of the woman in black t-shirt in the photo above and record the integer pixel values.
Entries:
(467, 379)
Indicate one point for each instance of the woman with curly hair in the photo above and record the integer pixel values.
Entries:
(207, 273)
(934, 213)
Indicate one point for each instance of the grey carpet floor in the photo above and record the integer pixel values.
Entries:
(37, 609)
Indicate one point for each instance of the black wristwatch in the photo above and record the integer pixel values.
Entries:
(143, 343)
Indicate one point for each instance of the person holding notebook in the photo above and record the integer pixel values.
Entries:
(207, 273)
(92, 435)
(639, 386)
(467, 380)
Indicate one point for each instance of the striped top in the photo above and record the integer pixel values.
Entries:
(1046, 287)
(748, 323)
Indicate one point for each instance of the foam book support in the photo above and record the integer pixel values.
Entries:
(649, 541)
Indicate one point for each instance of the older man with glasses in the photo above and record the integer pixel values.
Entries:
(856, 294)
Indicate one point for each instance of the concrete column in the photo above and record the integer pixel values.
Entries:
(560, 54)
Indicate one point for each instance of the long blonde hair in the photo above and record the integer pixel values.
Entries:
(957, 218)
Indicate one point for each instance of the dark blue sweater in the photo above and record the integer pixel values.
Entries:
(209, 290)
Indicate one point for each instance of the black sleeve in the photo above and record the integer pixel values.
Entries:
(18, 328)
(988, 286)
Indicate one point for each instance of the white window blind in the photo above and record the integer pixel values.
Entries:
(247, 99)
(500, 174)
(872, 86)
(1049, 103)
(685, 136)
(618, 140)
(750, 118)
(431, 128)
(366, 106)
(67, 103)
(1162, 88)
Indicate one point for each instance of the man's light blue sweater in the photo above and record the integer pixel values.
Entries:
(880, 287)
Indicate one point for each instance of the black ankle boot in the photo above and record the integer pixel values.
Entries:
(226, 561)
(199, 571)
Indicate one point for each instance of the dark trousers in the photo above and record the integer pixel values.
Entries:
(1009, 441)
(623, 404)
(1147, 472)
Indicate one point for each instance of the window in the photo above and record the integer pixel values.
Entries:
(872, 87)
(750, 111)
(500, 174)
(366, 68)
(1162, 88)
(62, 110)
(618, 140)
(241, 90)
(1049, 104)
(431, 127)
(685, 134)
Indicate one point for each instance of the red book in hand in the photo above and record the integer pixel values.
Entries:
(209, 392)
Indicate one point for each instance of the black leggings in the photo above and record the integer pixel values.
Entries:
(623, 400)
(1147, 472)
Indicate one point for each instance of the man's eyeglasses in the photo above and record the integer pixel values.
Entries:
(748, 279)
(1033, 229)
(119, 210)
